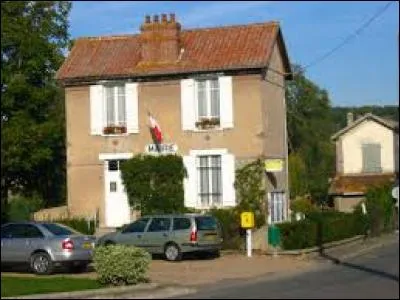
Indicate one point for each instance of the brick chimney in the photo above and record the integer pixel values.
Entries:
(160, 39)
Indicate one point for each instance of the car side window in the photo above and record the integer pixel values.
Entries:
(181, 223)
(32, 231)
(159, 224)
(14, 231)
(6, 231)
(137, 226)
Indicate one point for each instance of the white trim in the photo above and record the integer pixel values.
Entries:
(109, 156)
(220, 151)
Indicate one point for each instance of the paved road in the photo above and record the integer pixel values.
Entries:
(373, 275)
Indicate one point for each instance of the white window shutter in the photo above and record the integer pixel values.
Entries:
(96, 109)
(187, 104)
(190, 182)
(228, 180)
(226, 101)
(132, 110)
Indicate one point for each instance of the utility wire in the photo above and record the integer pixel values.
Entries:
(351, 36)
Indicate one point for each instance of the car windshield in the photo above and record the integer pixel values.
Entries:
(57, 229)
(206, 223)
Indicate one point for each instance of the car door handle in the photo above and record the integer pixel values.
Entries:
(139, 236)
(165, 234)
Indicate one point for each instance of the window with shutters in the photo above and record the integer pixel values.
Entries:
(371, 158)
(208, 103)
(115, 111)
(209, 180)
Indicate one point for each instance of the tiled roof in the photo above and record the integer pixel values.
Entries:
(348, 184)
(208, 49)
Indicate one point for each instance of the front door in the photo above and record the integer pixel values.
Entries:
(117, 206)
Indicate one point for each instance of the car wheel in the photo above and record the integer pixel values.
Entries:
(41, 263)
(172, 252)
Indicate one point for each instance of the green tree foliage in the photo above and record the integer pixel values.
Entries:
(380, 208)
(34, 35)
(250, 190)
(154, 184)
(309, 129)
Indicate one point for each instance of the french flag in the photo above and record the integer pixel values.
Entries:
(155, 129)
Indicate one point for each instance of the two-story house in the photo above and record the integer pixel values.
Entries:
(230, 78)
(367, 154)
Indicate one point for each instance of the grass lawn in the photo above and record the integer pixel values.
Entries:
(13, 286)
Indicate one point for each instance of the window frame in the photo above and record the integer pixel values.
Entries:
(209, 168)
(364, 158)
(208, 96)
(116, 109)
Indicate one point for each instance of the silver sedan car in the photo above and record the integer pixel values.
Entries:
(44, 246)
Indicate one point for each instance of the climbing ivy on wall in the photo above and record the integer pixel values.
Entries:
(154, 184)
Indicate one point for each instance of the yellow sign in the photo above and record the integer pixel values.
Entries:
(273, 165)
(247, 219)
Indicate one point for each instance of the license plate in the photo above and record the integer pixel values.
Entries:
(210, 237)
(87, 245)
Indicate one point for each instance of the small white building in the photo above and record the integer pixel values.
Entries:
(367, 153)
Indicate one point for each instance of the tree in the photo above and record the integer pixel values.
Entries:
(310, 127)
(34, 35)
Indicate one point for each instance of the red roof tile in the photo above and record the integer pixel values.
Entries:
(209, 49)
(347, 184)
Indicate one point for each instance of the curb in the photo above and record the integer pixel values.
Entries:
(316, 248)
(90, 293)
(140, 291)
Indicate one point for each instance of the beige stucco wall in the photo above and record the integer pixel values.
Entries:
(274, 118)
(366, 132)
(347, 204)
(259, 130)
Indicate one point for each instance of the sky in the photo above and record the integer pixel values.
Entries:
(364, 71)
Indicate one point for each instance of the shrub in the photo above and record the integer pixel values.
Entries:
(79, 224)
(121, 265)
(321, 227)
(21, 208)
(231, 231)
(154, 184)
(380, 208)
(302, 205)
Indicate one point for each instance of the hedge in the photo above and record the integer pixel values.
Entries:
(321, 227)
(231, 231)
(121, 264)
(81, 225)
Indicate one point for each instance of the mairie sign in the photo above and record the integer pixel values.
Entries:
(161, 148)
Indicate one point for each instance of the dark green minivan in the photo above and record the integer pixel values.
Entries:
(171, 235)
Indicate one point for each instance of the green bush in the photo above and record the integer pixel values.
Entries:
(121, 265)
(380, 209)
(79, 224)
(154, 184)
(21, 208)
(321, 227)
(231, 231)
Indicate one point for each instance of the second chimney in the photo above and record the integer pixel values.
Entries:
(350, 118)
(160, 40)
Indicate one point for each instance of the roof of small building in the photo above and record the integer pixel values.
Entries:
(358, 183)
(391, 124)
